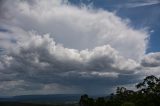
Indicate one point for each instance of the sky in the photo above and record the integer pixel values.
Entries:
(77, 46)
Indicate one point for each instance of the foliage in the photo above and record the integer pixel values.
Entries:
(147, 94)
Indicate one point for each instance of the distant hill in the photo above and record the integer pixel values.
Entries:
(34, 104)
(47, 99)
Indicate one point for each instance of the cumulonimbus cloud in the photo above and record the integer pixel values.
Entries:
(78, 28)
(83, 45)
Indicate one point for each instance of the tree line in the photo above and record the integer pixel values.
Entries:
(147, 93)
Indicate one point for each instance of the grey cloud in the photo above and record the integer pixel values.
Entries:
(151, 60)
(40, 60)
(1, 8)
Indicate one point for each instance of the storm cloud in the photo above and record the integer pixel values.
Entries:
(54, 47)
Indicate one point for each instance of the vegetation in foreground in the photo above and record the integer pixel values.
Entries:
(147, 94)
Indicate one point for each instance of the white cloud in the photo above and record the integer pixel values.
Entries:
(78, 28)
(43, 52)
(82, 46)
(142, 3)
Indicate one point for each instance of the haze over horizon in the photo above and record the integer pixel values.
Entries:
(77, 46)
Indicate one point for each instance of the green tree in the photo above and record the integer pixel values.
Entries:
(148, 94)
(100, 101)
(128, 104)
(86, 101)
